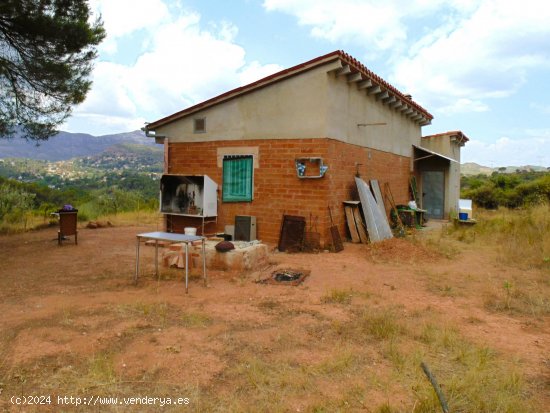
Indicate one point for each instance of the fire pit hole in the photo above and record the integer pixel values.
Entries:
(286, 277)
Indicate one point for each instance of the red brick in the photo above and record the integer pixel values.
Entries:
(277, 189)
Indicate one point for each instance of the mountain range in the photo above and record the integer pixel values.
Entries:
(471, 168)
(66, 145)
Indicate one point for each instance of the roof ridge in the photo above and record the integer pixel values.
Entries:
(341, 54)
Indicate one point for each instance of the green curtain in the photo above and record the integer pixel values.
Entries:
(237, 178)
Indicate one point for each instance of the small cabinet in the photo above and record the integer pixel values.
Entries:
(189, 195)
(67, 225)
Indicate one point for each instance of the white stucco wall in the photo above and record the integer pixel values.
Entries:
(445, 145)
(292, 108)
(312, 104)
(349, 106)
(454, 178)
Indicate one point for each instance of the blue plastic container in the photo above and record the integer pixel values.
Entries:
(463, 216)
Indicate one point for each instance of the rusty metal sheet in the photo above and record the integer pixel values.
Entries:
(292, 233)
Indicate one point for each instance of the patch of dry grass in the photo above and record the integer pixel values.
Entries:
(195, 319)
(143, 217)
(370, 323)
(520, 297)
(358, 355)
(36, 221)
(474, 378)
(26, 223)
(269, 305)
(337, 296)
(522, 237)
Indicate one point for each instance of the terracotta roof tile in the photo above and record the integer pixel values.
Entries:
(357, 65)
(292, 71)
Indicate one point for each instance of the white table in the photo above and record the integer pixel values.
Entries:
(172, 237)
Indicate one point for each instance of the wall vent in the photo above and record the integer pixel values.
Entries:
(199, 125)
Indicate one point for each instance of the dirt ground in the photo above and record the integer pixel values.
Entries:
(73, 323)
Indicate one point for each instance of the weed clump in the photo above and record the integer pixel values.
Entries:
(337, 297)
(522, 236)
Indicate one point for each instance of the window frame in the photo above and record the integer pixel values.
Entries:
(231, 198)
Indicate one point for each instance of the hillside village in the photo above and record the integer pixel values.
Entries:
(117, 160)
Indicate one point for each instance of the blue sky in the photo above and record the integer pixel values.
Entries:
(479, 66)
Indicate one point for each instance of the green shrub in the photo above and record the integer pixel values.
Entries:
(510, 190)
(14, 202)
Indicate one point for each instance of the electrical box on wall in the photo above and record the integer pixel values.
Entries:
(190, 195)
(245, 228)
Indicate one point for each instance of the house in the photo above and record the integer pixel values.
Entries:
(438, 166)
(291, 143)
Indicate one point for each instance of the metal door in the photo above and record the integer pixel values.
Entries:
(433, 193)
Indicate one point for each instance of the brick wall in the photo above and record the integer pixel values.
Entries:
(373, 164)
(278, 191)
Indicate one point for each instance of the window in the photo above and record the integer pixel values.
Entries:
(199, 125)
(238, 179)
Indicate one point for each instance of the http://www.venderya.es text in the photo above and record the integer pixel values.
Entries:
(93, 400)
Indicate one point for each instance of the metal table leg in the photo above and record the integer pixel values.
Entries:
(157, 258)
(186, 267)
(137, 260)
(204, 262)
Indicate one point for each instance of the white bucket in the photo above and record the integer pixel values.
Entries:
(190, 231)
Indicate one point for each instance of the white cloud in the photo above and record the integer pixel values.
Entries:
(486, 56)
(256, 71)
(506, 151)
(452, 55)
(123, 17)
(106, 124)
(540, 133)
(184, 64)
(109, 95)
(376, 24)
(463, 105)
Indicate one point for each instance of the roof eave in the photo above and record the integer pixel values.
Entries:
(344, 65)
(384, 91)
(432, 153)
(266, 81)
(459, 135)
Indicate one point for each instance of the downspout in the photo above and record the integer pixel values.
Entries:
(152, 134)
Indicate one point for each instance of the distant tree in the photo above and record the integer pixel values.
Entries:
(505, 181)
(486, 196)
(14, 201)
(113, 200)
(47, 48)
(513, 190)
